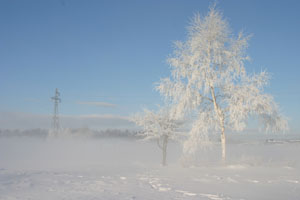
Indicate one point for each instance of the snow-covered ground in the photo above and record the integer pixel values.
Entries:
(123, 169)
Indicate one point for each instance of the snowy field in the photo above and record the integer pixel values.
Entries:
(125, 169)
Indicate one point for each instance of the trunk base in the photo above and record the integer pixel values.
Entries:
(223, 142)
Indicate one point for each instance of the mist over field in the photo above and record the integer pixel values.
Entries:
(120, 168)
(73, 153)
(81, 153)
(78, 154)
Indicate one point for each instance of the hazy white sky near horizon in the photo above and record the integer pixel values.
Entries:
(105, 56)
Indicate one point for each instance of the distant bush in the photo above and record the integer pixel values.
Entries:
(71, 133)
(37, 133)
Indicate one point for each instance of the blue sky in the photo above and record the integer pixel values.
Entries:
(114, 51)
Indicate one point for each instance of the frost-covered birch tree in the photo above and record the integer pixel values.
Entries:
(209, 80)
(158, 126)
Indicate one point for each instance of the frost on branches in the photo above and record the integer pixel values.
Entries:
(158, 126)
(209, 80)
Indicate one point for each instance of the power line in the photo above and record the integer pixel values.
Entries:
(55, 118)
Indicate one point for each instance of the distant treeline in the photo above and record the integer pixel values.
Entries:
(70, 133)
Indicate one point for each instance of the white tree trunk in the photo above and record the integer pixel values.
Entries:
(165, 143)
(220, 115)
(223, 142)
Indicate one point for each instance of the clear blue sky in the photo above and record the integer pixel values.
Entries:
(113, 51)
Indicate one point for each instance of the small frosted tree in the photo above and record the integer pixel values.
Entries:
(158, 126)
(209, 80)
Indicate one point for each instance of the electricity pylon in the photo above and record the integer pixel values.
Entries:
(55, 119)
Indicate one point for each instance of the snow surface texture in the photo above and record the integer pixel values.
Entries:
(122, 169)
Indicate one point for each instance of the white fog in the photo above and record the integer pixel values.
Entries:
(257, 167)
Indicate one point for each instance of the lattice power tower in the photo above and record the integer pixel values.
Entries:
(55, 119)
